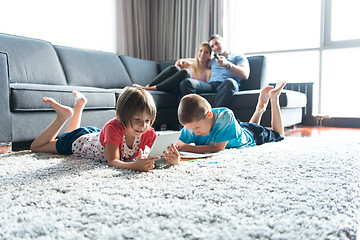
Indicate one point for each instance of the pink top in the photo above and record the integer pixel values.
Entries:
(113, 133)
(92, 145)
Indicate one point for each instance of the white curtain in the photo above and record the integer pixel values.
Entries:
(166, 29)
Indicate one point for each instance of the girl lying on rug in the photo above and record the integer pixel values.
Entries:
(121, 141)
(213, 130)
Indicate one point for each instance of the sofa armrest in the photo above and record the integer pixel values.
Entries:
(5, 116)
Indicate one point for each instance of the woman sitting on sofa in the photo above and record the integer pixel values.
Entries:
(196, 68)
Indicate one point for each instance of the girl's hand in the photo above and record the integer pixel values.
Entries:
(144, 164)
(172, 155)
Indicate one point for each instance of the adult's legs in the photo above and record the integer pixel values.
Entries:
(166, 73)
(172, 83)
(189, 85)
(226, 91)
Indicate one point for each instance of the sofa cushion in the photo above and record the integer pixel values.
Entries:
(165, 63)
(32, 60)
(92, 68)
(28, 97)
(140, 71)
(162, 99)
(257, 78)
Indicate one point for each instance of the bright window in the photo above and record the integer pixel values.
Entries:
(263, 25)
(300, 38)
(293, 66)
(89, 24)
(341, 83)
(345, 20)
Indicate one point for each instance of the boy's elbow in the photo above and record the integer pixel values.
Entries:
(217, 149)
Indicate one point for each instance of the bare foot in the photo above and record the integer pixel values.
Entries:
(147, 87)
(80, 99)
(137, 86)
(275, 93)
(63, 112)
(263, 99)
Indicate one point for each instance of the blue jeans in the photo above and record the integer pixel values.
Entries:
(225, 89)
(261, 134)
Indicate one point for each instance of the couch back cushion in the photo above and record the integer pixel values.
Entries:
(165, 63)
(140, 71)
(32, 61)
(92, 68)
(257, 78)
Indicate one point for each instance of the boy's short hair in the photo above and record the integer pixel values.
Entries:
(133, 101)
(192, 108)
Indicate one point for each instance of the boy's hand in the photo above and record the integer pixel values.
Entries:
(172, 155)
(180, 145)
(144, 164)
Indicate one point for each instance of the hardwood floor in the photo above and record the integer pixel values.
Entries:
(320, 131)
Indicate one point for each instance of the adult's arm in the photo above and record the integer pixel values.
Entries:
(241, 71)
(184, 63)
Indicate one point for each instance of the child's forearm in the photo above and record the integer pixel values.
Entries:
(120, 164)
(201, 148)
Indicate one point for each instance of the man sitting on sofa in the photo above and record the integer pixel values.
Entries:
(227, 72)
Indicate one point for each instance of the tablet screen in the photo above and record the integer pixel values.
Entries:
(162, 141)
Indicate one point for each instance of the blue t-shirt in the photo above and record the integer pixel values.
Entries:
(219, 73)
(226, 128)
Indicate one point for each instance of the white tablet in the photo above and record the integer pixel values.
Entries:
(161, 143)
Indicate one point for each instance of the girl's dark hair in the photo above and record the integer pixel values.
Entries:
(133, 101)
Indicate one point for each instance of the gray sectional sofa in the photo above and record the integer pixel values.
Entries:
(32, 68)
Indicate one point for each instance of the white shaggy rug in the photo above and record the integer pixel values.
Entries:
(300, 188)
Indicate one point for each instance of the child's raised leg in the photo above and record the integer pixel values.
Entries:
(46, 142)
(261, 104)
(276, 118)
(80, 102)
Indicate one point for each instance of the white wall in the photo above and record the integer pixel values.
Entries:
(89, 24)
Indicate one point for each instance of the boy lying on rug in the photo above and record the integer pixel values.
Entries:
(213, 130)
(120, 142)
